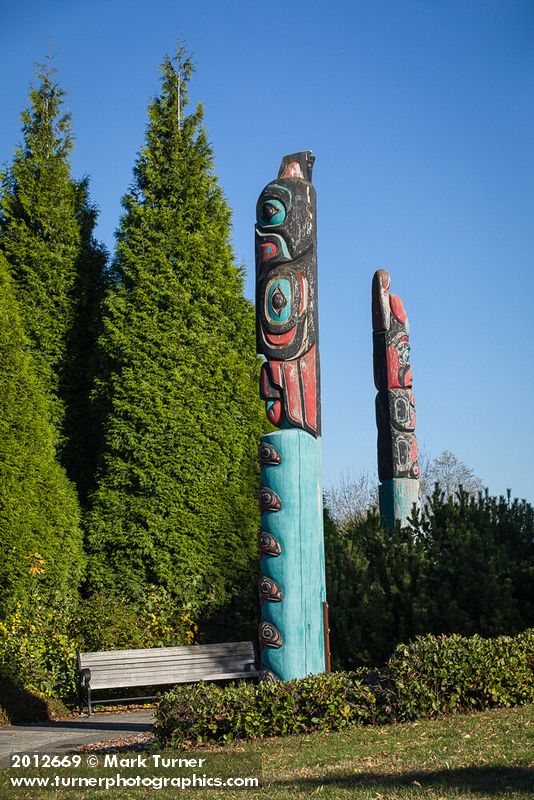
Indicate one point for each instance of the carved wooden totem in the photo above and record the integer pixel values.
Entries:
(292, 582)
(398, 469)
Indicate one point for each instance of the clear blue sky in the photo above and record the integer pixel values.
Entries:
(421, 116)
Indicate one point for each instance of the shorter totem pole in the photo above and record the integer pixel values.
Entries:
(292, 582)
(398, 468)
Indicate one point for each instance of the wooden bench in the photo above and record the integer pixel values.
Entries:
(163, 666)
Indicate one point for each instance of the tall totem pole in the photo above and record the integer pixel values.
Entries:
(398, 468)
(292, 582)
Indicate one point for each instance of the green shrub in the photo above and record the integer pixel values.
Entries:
(110, 622)
(38, 648)
(41, 636)
(443, 674)
(430, 676)
(201, 712)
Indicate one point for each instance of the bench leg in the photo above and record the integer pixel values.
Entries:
(89, 701)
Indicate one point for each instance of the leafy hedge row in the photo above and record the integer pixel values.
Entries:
(447, 674)
(202, 712)
(431, 676)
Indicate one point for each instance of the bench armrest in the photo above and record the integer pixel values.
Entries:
(85, 677)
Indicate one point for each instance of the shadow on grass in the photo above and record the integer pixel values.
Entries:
(490, 780)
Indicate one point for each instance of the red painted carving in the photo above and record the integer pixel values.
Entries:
(280, 339)
(268, 250)
(308, 376)
(398, 363)
(293, 170)
(397, 308)
(296, 382)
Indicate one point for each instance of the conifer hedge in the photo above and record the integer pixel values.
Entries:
(40, 538)
(58, 268)
(175, 502)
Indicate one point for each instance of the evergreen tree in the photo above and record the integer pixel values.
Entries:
(464, 565)
(81, 426)
(40, 539)
(474, 547)
(176, 499)
(46, 234)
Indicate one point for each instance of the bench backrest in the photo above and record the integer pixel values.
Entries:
(166, 665)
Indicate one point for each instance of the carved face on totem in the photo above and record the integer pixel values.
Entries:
(285, 261)
(398, 358)
(397, 444)
(286, 290)
(402, 409)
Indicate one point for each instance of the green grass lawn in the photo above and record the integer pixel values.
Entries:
(481, 756)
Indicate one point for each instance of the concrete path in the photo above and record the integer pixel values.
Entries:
(58, 737)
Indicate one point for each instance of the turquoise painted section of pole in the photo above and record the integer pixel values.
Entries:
(397, 498)
(299, 570)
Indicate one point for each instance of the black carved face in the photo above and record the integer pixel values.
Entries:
(405, 463)
(286, 209)
(285, 268)
(397, 444)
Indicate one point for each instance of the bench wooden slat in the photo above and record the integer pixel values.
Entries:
(154, 674)
(170, 680)
(192, 665)
(178, 663)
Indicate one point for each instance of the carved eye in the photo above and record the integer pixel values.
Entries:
(403, 452)
(268, 675)
(273, 212)
(279, 298)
